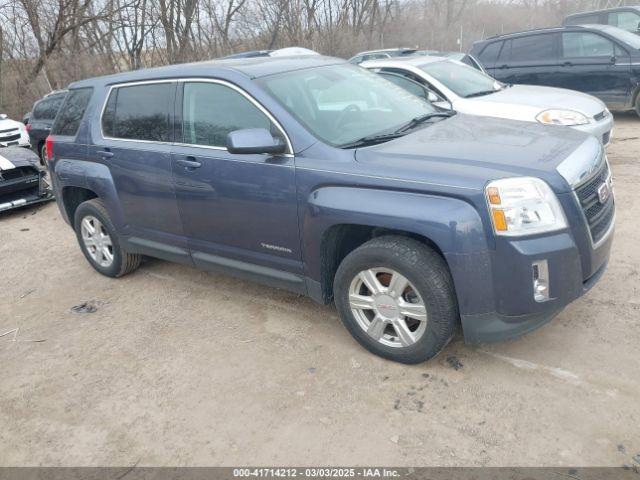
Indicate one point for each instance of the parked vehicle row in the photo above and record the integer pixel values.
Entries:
(452, 85)
(600, 60)
(321, 177)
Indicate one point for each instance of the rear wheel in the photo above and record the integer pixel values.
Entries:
(396, 297)
(99, 242)
(43, 155)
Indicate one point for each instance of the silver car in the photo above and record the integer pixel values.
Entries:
(452, 84)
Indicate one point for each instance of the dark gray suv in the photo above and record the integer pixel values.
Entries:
(317, 176)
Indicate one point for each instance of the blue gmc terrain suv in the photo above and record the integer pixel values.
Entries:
(317, 176)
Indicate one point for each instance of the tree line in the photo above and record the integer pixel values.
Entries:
(46, 44)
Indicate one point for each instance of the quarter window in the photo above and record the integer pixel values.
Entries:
(72, 112)
(534, 47)
(211, 111)
(139, 112)
(586, 44)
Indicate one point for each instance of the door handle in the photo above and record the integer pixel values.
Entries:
(190, 163)
(503, 66)
(105, 153)
(567, 64)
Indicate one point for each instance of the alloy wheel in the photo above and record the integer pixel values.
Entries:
(97, 241)
(388, 307)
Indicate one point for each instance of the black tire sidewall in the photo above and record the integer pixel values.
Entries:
(432, 280)
(89, 208)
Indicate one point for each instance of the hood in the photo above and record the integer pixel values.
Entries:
(468, 151)
(8, 124)
(13, 157)
(543, 98)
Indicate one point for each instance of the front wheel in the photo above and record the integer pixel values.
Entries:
(395, 295)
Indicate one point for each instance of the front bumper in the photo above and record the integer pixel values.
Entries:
(24, 191)
(511, 309)
(602, 129)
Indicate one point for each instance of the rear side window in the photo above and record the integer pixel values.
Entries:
(490, 53)
(47, 109)
(211, 111)
(586, 44)
(533, 48)
(68, 121)
(584, 19)
(139, 112)
(628, 21)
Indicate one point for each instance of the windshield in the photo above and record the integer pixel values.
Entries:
(343, 103)
(630, 39)
(462, 80)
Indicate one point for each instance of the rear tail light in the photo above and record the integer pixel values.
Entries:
(49, 147)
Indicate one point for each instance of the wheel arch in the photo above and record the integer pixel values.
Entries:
(340, 219)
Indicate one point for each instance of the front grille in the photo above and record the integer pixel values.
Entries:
(606, 137)
(15, 173)
(8, 130)
(598, 215)
(599, 116)
(10, 138)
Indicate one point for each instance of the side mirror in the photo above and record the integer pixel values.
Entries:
(254, 140)
(3, 116)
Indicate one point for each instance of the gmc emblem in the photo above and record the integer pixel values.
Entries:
(604, 192)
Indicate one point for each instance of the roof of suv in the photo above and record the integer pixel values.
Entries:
(605, 10)
(251, 67)
(545, 30)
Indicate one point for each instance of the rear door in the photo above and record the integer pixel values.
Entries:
(238, 210)
(42, 119)
(593, 64)
(134, 140)
(529, 60)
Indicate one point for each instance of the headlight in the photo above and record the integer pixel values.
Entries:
(523, 206)
(562, 117)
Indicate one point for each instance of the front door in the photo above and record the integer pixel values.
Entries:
(238, 210)
(593, 64)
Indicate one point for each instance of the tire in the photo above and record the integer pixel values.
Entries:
(43, 155)
(96, 215)
(429, 284)
(638, 104)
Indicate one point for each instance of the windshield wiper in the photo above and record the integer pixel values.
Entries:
(371, 140)
(414, 122)
(384, 137)
(481, 93)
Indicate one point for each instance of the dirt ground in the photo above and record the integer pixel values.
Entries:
(181, 367)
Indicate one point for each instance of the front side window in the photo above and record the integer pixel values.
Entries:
(533, 48)
(461, 79)
(628, 21)
(139, 112)
(343, 103)
(490, 52)
(211, 111)
(68, 122)
(586, 44)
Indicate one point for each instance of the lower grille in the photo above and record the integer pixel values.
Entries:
(598, 212)
(606, 137)
(10, 138)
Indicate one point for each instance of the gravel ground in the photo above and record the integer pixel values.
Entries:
(181, 367)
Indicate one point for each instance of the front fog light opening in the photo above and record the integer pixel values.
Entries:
(540, 281)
